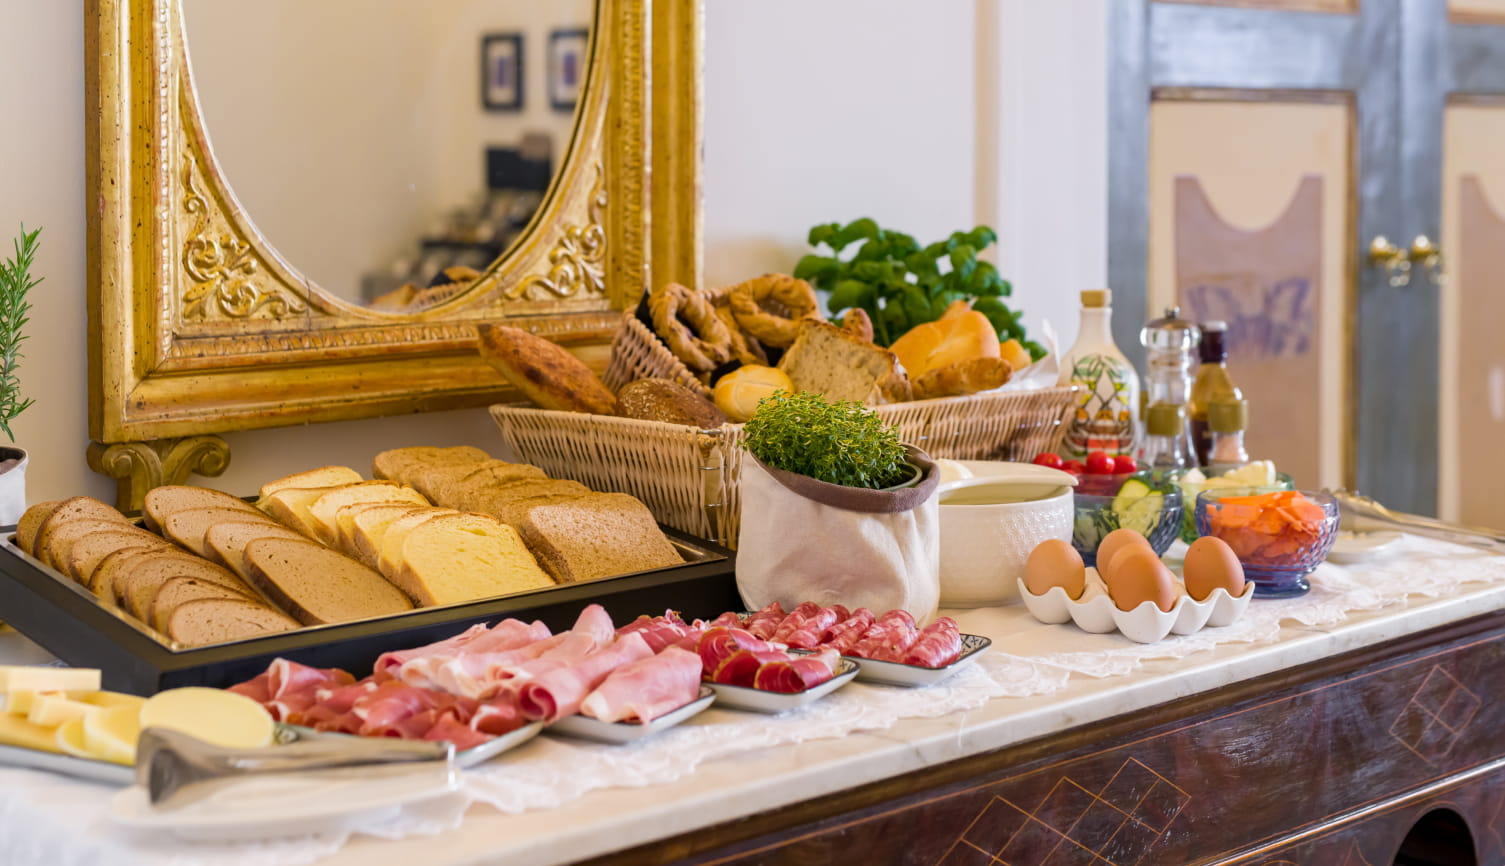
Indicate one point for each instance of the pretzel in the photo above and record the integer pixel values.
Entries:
(744, 349)
(858, 323)
(747, 301)
(689, 327)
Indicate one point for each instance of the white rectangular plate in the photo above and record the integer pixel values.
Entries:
(463, 759)
(760, 701)
(587, 728)
(67, 765)
(895, 674)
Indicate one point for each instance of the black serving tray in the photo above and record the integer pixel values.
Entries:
(69, 622)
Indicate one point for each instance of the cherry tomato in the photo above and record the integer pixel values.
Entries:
(1099, 463)
(1123, 464)
(1048, 459)
(1075, 467)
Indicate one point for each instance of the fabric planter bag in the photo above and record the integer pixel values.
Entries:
(807, 540)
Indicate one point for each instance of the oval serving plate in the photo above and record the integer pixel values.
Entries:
(463, 759)
(912, 676)
(615, 733)
(761, 701)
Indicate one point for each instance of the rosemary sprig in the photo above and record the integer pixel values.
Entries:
(15, 281)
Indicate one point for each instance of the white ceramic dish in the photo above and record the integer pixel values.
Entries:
(67, 765)
(1096, 613)
(991, 521)
(263, 807)
(760, 701)
(895, 674)
(463, 759)
(587, 728)
(1360, 546)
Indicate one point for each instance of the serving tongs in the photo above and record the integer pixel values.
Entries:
(1356, 509)
(176, 768)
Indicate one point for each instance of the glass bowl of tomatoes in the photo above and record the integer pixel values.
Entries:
(1100, 474)
(1280, 536)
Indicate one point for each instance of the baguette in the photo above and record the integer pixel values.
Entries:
(544, 371)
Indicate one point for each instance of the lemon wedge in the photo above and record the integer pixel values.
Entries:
(70, 739)
(111, 733)
(214, 716)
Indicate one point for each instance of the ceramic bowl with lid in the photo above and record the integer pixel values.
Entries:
(991, 521)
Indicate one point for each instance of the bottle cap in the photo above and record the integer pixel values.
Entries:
(1097, 298)
(1228, 416)
(1211, 350)
(1165, 419)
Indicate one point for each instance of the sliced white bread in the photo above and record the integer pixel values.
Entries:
(599, 535)
(454, 558)
(317, 585)
(290, 507)
(369, 524)
(324, 476)
(32, 520)
(180, 590)
(187, 527)
(389, 548)
(399, 464)
(87, 552)
(226, 541)
(69, 510)
(325, 510)
(218, 620)
(163, 501)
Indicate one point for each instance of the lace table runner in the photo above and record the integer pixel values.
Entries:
(47, 819)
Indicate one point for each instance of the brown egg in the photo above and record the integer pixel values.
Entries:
(1055, 563)
(1112, 543)
(1139, 576)
(1210, 563)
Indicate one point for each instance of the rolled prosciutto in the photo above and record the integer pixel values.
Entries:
(643, 690)
(939, 644)
(797, 673)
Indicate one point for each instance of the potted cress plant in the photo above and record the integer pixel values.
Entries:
(835, 510)
(16, 281)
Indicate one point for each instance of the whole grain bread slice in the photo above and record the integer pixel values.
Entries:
(595, 536)
(87, 552)
(188, 527)
(69, 510)
(506, 502)
(136, 584)
(54, 546)
(400, 464)
(219, 620)
(180, 590)
(317, 585)
(226, 541)
(170, 499)
(32, 520)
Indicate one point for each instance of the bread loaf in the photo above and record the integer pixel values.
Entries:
(216, 620)
(544, 371)
(668, 401)
(960, 335)
(965, 377)
(829, 361)
(594, 536)
(454, 558)
(317, 585)
(226, 541)
(324, 476)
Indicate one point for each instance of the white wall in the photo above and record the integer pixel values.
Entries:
(794, 136)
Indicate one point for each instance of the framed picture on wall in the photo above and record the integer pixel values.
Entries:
(567, 66)
(502, 71)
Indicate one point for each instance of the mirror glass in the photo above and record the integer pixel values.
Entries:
(389, 150)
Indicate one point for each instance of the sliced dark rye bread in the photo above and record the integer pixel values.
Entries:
(32, 520)
(324, 476)
(54, 545)
(226, 541)
(317, 585)
(89, 550)
(69, 510)
(138, 583)
(400, 464)
(187, 527)
(181, 590)
(163, 501)
(595, 536)
(219, 620)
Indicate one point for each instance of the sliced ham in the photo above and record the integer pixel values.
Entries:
(938, 644)
(645, 689)
(596, 623)
(558, 692)
(766, 621)
(480, 675)
(497, 716)
(798, 673)
(808, 635)
(795, 621)
(256, 688)
(845, 634)
(741, 667)
(390, 661)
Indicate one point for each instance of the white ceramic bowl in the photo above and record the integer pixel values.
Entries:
(991, 522)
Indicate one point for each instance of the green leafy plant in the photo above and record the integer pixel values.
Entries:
(15, 281)
(838, 442)
(902, 284)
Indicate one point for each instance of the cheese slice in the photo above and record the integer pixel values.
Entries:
(51, 710)
(111, 733)
(41, 678)
(70, 739)
(16, 731)
(111, 699)
(214, 716)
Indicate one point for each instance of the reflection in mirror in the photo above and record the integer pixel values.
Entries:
(388, 150)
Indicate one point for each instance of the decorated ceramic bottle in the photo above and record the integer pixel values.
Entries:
(1105, 417)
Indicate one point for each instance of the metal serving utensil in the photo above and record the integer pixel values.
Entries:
(176, 768)
(1355, 508)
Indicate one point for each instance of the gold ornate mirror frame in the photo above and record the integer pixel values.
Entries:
(197, 326)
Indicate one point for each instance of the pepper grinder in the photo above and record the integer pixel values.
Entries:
(1170, 342)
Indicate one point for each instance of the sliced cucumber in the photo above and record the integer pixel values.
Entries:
(1137, 506)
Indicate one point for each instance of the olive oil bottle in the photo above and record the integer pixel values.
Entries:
(1105, 416)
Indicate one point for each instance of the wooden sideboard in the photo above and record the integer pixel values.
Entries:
(1391, 754)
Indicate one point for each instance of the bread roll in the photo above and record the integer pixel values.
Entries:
(667, 401)
(545, 372)
(961, 335)
(737, 393)
(1015, 353)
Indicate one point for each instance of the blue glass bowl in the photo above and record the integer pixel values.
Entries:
(1276, 555)
(1095, 517)
(1190, 490)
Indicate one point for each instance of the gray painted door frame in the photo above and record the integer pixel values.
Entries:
(1401, 60)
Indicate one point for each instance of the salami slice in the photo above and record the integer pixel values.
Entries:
(938, 645)
(845, 634)
(766, 621)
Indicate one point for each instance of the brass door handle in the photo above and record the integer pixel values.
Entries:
(1395, 260)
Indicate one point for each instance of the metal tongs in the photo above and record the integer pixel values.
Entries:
(1356, 509)
(176, 768)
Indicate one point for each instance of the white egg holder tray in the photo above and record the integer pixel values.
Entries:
(1096, 613)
